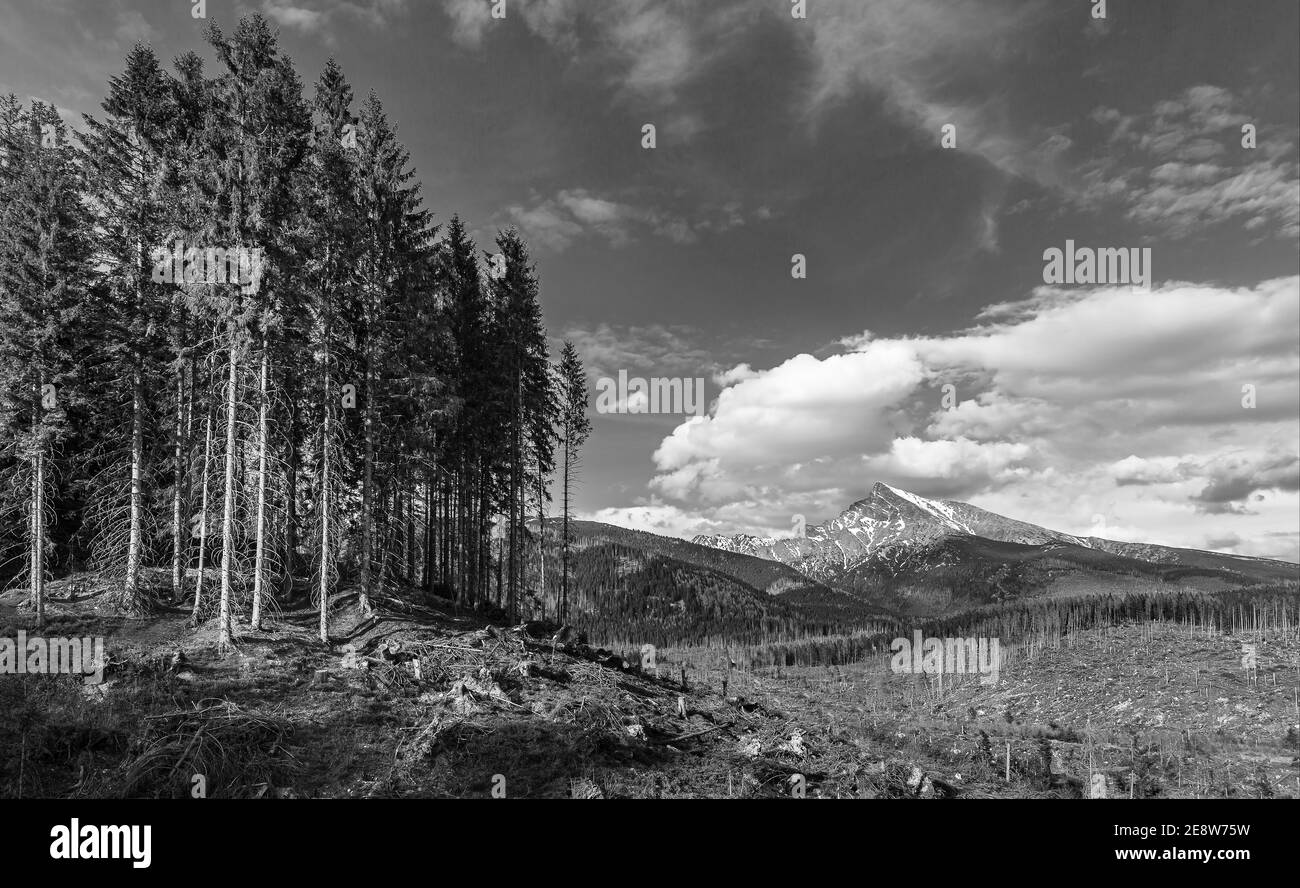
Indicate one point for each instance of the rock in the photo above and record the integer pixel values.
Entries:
(794, 744)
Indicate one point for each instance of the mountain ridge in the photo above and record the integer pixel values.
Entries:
(893, 532)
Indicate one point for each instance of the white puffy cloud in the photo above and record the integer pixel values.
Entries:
(656, 517)
(1134, 469)
(804, 408)
(1070, 404)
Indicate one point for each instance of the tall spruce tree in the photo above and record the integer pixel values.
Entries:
(575, 426)
(45, 281)
(193, 148)
(469, 456)
(529, 396)
(258, 97)
(125, 155)
(394, 246)
(334, 226)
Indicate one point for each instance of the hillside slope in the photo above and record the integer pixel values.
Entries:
(428, 701)
(641, 587)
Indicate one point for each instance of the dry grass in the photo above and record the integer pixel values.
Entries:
(236, 753)
(414, 702)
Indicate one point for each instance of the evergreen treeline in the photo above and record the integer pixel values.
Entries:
(238, 359)
(1266, 607)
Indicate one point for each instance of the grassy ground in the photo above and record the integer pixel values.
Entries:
(412, 701)
(1168, 709)
(428, 702)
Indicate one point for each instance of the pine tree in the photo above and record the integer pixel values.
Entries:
(333, 227)
(393, 253)
(191, 153)
(529, 393)
(45, 280)
(260, 103)
(125, 158)
(469, 453)
(575, 426)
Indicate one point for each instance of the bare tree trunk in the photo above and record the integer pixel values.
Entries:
(444, 533)
(386, 543)
(132, 590)
(180, 493)
(37, 579)
(483, 533)
(455, 537)
(426, 575)
(541, 539)
(564, 543)
(325, 507)
(40, 538)
(518, 504)
(469, 541)
(263, 435)
(410, 489)
(203, 521)
(515, 456)
(228, 508)
(290, 565)
(367, 499)
(500, 561)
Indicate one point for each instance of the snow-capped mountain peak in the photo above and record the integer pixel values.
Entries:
(887, 529)
(892, 530)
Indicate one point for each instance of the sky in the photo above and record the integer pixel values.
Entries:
(920, 156)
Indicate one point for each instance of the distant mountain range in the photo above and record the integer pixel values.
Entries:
(891, 555)
(642, 584)
(894, 546)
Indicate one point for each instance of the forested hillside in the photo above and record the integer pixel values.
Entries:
(638, 587)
